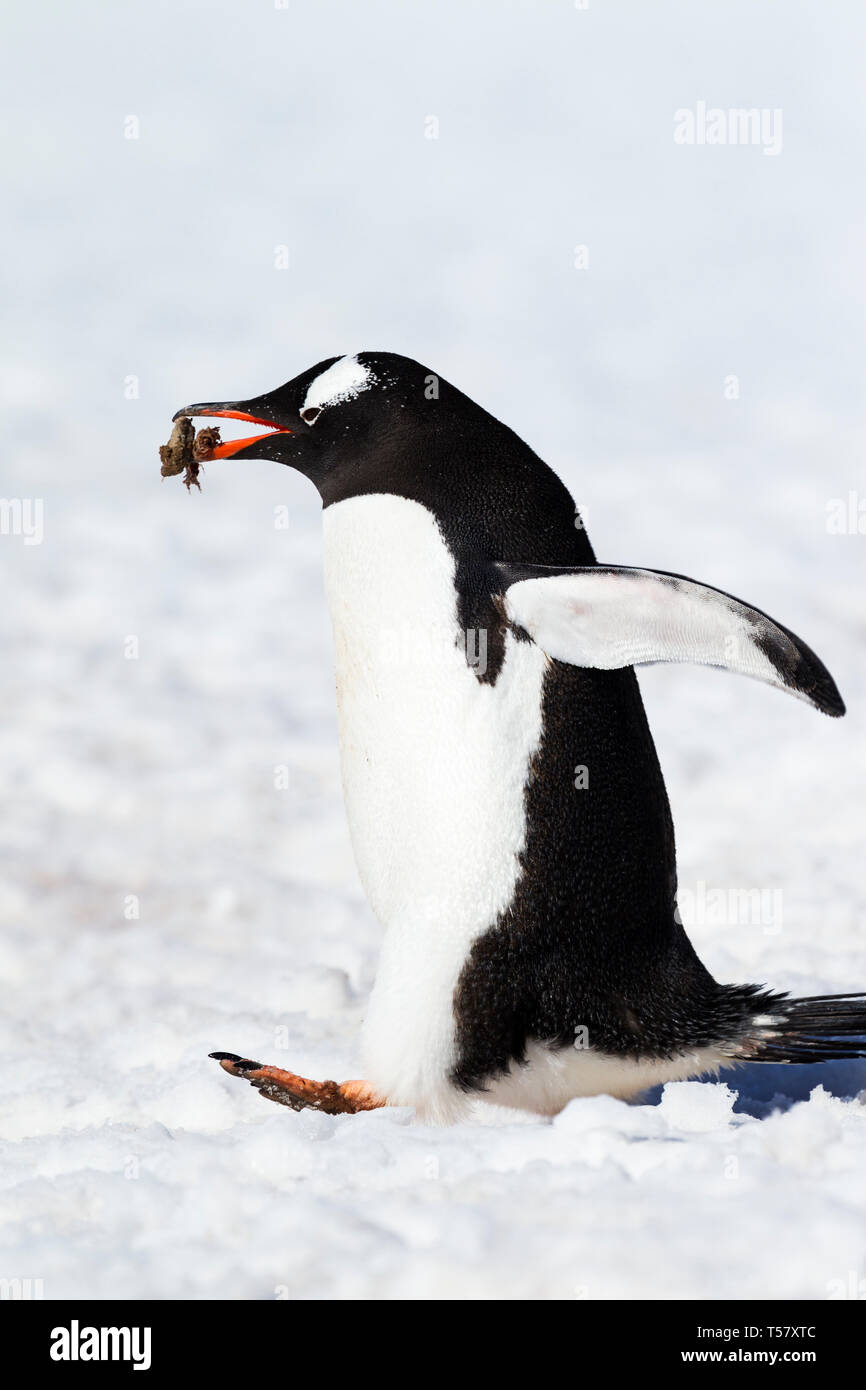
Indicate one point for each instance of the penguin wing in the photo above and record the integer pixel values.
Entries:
(609, 616)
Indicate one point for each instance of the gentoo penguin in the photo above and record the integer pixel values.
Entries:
(506, 805)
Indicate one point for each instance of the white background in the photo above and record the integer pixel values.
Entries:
(132, 1166)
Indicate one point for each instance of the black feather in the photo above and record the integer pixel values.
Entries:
(817, 1028)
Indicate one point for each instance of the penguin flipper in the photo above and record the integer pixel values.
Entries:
(298, 1092)
(610, 616)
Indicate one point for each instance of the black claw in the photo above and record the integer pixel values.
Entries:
(241, 1063)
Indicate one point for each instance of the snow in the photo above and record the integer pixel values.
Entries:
(176, 871)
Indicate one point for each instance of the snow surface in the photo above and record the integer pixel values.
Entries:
(199, 778)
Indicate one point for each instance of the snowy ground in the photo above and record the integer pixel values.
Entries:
(161, 897)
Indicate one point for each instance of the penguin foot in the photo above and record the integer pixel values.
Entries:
(298, 1092)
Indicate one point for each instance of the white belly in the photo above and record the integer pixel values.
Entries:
(434, 764)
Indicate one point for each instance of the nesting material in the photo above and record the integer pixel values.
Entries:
(186, 450)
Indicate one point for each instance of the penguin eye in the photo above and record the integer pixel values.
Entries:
(311, 414)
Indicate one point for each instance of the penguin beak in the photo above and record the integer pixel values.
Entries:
(239, 410)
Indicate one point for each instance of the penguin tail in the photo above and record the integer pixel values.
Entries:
(818, 1028)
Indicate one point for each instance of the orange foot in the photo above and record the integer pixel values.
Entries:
(284, 1087)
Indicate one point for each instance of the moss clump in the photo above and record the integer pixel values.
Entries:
(186, 451)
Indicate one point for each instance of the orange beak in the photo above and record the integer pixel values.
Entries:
(233, 446)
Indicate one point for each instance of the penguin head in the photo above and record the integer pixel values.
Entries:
(338, 421)
(377, 422)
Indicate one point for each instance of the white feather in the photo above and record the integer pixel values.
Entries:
(434, 764)
(551, 1077)
(340, 382)
(612, 618)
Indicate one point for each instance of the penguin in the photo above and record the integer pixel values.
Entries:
(507, 809)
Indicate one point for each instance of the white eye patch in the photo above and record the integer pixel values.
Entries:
(340, 382)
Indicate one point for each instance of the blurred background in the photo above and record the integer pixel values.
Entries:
(202, 201)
